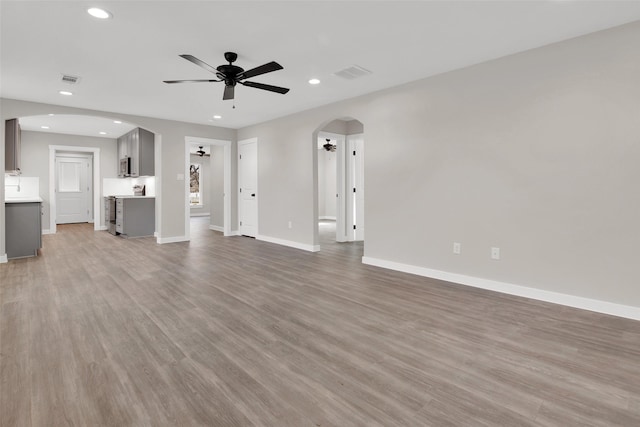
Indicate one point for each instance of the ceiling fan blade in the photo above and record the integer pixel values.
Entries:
(228, 92)
(200, 63)
(263, 86)
(189, 81)
(263, 69)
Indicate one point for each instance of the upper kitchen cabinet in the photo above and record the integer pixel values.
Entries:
(12, 146)
(136, 153)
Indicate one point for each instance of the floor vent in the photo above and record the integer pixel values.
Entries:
(66, 78)
(353, 72)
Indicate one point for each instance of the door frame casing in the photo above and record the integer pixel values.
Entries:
(239, 199)
(97, 187)
(89, 158)
(188, 141)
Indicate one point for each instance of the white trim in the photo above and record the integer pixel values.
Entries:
(332, 218)
(290, 243)
(101, 228)
(216, 228)
(97, 183)
(46, 232)
(188, 141)
(200, 214)
(163, 240)
(598, 306)
(234, 233)
(3, 259)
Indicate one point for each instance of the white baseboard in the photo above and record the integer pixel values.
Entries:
(292, 244)
(605, 307)
(155, 234)
(216, 228)
(332, 218)
(102, 228)
(3, 258)
(163, 240)
(234, 233)
(47, 231)
(200, 214)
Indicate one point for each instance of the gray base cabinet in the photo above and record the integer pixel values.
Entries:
(23, 223)
(135, 217)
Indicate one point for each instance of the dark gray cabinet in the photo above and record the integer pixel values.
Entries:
(138, 146)
(23, 229)
(135, 216)
(12, 144)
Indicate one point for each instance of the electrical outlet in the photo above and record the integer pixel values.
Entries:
(290, 224)
(495, 253)
(456, 248)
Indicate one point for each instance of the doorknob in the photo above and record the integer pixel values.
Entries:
(253, 194)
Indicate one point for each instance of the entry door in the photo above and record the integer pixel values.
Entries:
(248, 187)
(73, 189)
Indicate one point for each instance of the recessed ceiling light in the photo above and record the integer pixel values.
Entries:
(44, 127)
(99, 13)
(51, 114)
(65, 92)
(314, 82)
(103, 133)
(217, 117)
(118, 122)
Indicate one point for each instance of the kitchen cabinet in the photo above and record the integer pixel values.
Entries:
(12, 143)
(23, 225)
(138, 146)
(135, 216)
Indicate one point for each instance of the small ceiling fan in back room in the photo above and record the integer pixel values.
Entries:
(232, 75)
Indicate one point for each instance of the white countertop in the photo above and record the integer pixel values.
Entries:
(22, 199)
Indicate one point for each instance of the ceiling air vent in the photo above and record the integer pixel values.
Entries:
(66, 78)
(353, 72)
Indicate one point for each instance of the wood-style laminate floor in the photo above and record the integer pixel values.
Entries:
(230, 331)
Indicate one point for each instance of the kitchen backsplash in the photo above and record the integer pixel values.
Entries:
(124, 186)
(21, 186)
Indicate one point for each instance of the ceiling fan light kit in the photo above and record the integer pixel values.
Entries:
(232, 75)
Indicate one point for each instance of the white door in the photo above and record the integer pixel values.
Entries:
(73, 189)
(248, 187)
(355, 203)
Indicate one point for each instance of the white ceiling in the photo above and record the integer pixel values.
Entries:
(122, 61)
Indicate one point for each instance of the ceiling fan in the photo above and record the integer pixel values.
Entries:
(201, 152)
(329, 146)
(232, 74)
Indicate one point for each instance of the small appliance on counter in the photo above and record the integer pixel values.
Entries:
(138, 190)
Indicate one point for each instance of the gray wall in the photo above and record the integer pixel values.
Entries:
(35, 161)
(535, 153)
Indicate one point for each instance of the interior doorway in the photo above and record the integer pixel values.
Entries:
(215, 148)
(93, 178)
(73, 188)
(339, 181)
